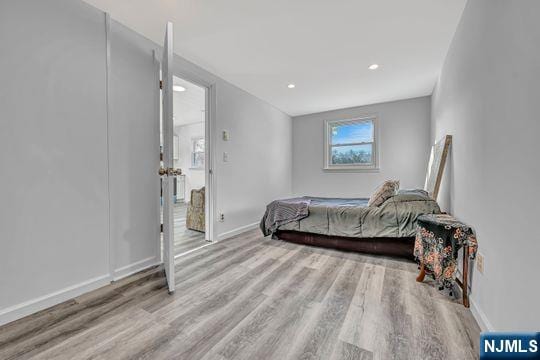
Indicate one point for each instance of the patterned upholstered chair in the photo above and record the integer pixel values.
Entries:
(195, 211)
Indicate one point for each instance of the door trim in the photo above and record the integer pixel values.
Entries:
(210, 168)
(157, 109)
(210, 176)
(112, 243)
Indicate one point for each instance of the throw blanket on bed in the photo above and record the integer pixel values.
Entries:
(396, 217)
(281, 212)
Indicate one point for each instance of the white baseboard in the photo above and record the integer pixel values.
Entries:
(480, 317)
(32, 306)
(478, 314)
(237, 231)
(130, 269)
(192, 250)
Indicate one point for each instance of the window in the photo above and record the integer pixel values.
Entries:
(351, 144)
(197, 153)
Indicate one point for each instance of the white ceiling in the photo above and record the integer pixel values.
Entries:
(322, 46)
(189, 105)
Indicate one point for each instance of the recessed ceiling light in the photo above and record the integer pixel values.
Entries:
(178, 88)
(291, 86)
(373, 66)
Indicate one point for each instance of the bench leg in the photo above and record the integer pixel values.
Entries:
(465, 286)
(422, 273)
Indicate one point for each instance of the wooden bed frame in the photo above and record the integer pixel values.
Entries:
(399, 246)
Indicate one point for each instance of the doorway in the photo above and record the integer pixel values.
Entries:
(190, 155)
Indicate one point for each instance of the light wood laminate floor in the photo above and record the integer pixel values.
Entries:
(185, 239)
(255, 298)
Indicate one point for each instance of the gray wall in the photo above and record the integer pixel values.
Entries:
(79, 195)
(403, 144)
(487, 97)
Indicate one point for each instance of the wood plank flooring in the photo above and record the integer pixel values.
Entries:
(255, 298)
(184, 238)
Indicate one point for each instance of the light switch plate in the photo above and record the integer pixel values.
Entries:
(226, 135)
(225, 157)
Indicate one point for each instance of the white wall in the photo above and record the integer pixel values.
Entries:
(403, 143)
(74, 215)
(194, 177)
(260, 147)
(54, 205)
(487, 98)
(134, 152)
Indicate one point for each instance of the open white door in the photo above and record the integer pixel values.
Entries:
(167, 171)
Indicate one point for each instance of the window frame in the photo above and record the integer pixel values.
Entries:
(193, 152)
(374, 166)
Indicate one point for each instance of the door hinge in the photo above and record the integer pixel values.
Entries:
(161, 84)
(161, 228)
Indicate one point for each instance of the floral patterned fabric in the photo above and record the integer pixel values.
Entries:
(439, 237)
(195, 212)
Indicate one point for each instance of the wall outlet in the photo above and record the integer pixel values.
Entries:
(480, 263)
(221, 217)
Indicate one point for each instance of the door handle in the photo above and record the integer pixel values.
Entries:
(169, 171)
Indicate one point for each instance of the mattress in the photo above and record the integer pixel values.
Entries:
(395, 218)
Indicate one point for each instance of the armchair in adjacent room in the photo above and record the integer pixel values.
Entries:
(196, 211)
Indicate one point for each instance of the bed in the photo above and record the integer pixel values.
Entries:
(350, 224)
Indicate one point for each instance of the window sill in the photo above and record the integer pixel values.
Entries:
(351, 170)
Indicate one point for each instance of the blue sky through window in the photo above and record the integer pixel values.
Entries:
(352, 133)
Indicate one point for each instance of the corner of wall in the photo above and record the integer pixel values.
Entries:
(480, 317)
(135, 267)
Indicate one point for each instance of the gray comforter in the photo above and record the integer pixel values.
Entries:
(396, 217)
